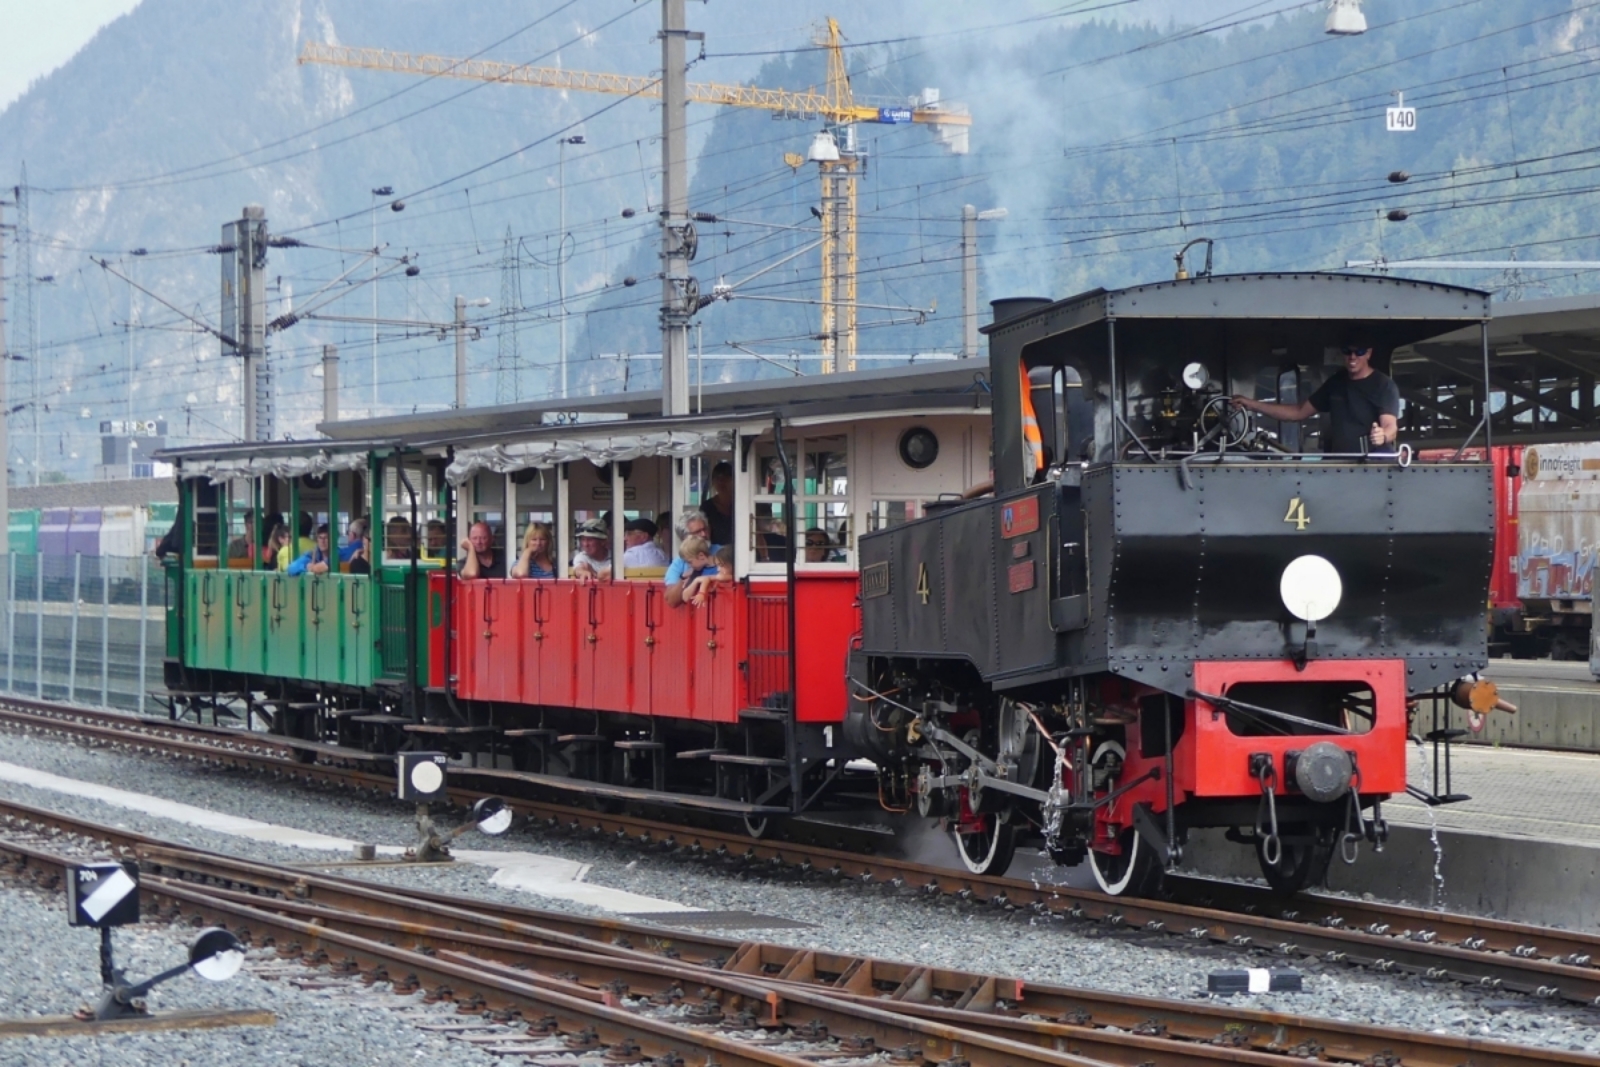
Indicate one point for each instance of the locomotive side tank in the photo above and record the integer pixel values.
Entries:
(1170, 613)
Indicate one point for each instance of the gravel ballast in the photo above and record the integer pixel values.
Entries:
(845, 917)
(48, 968)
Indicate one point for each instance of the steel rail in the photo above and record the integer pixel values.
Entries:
(1109, 1027)
(1539, 961)
(354, 944)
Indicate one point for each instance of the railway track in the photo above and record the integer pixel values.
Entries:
(1493, 954)
(629, 986)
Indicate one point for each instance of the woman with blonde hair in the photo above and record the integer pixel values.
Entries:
(535, 560)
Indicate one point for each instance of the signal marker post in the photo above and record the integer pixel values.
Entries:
(106, 895)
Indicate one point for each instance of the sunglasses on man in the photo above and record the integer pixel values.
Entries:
(1357, 350)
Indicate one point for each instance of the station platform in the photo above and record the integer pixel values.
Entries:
(1558, 706)
(1552, 796)
(1525, 847)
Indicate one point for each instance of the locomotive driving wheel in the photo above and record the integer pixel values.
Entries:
(1134, 869)
(986, 841)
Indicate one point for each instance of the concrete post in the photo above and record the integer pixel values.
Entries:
(461, 351)
(969, 282)
(330, 383)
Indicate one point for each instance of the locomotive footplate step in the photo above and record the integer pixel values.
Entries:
(432, 728)
(531, 732)
(637, 746)
(766, 714)
(624, 792)
(701, 753)
(580, 739)
(748, 761)
(378, 717)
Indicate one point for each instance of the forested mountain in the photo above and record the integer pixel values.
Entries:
(1111, 138)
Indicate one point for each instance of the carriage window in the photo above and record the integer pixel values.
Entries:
(207, 498)
(886, 513)
(822, 500)
(240, 530)
(400, 539)
(535, 501)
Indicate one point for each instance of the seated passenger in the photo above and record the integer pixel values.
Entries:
(721, 570)
(397, 538)
(819, 547)
(355, 537)
(317, 561)
(299, 546)
(479, 558)
(361, 560)
(277, 540)
(239, 547)
(691, 523)
(438, 541)
(536, 560)
(639, 548)
(695, 555)
(593, 558)
(1361, 402)
(773, 541)
(277, 536)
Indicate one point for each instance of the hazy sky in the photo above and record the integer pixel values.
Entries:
(40, 35)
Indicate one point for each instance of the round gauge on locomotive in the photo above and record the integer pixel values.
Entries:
(1195, 376)
(919, 448)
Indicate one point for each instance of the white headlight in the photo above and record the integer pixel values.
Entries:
(1310, 588)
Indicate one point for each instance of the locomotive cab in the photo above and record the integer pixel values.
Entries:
(1185, 615)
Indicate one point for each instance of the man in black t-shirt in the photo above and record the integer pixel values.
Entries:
(1359, 401)
(479, 558)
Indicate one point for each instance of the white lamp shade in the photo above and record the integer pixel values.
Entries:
(1345, 18)
(824, 149)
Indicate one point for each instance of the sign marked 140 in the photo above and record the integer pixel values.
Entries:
(1401, 119)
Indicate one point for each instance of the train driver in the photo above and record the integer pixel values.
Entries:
(1360, 402)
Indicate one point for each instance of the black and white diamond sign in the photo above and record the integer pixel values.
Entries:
(422, 775)
(103, 894)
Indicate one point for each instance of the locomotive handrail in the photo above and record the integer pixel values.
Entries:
(488, 599)
(1255, 711)
(594, 602)
(650, 592)
(539, 593)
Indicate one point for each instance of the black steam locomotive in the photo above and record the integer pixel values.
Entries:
(1171, 613)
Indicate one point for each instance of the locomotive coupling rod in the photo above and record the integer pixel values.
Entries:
(987, 768)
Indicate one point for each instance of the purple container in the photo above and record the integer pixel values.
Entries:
(54, 523)
(84, 535)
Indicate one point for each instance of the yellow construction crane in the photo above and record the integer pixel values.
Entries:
(833, 149)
